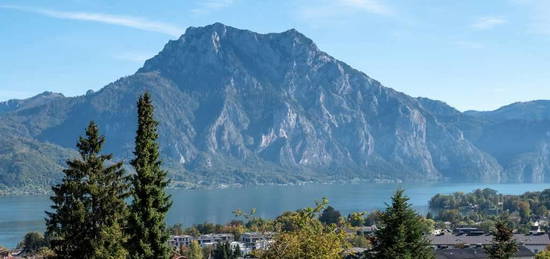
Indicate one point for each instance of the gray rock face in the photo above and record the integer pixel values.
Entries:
(241, 107)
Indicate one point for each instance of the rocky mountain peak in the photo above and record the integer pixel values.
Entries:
(224, 49)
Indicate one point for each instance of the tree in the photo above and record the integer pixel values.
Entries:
(33, 242)
(356, 219)
(400, 233)
(308, 237)
(195, 251)
(543, 255)
(503, 246)
(89, 206)
(237, 252)
(330, 216)
(150, 202)
(223, 251)
(524, 211)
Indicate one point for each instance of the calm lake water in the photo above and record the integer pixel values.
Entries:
(22, 214)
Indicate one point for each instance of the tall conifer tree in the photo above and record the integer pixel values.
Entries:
(400, 234)
(150, 202)
(504, 245)
(89, 206)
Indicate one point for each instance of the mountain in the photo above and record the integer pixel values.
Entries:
(518, 136)
(13, 105)
(239, 107)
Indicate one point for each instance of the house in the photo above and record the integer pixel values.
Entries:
(367, 231)
(467, 231)
(535, 243)
(478, 252)
(178, 241)
(242, 246)
(213, 239)
(257, 240)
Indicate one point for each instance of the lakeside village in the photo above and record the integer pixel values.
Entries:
(462, 242)
(92, 217)
(463, 227)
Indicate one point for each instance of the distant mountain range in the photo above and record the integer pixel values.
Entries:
(239, 107)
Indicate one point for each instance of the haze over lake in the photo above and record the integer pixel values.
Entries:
(21, 214)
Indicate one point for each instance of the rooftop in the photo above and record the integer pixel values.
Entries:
(474, 253)
(449, 239)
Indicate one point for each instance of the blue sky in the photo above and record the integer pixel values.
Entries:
(471, 54)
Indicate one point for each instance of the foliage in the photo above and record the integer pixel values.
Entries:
(33, 242)
(373, 218)
(481, 205)
(543, 255)
(356, 219)
(359, 241)
(150, 202)
(195, 251)
(254, 223)
(330, 216)
(308, 238)
(503, 246)
(224, 251)
(400, 233)
(89, 207)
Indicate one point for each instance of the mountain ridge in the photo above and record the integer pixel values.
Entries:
(238, 107)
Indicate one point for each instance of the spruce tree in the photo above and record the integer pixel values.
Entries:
(146, 225)
(400, 234)
(89, 206)
(503, 246)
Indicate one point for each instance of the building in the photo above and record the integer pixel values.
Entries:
(179, 241)
(535, 243)
(213, 239)
(367, 231)
(478, 252)
(257, 240)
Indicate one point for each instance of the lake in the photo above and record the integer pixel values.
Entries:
(22, 214)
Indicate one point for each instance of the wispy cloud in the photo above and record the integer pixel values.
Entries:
(372, 6)
(485, 23)
(206, 6)
(127, 21)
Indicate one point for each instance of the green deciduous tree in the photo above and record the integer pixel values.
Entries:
(543, 255)
(150, 202)
(503, 246)
(195, 250)
(307, 238)
(89, 207)
(401, 232)
(32, 242)
(356, 219)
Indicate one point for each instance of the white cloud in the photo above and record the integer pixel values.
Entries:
(485, 23)
(210, 5)
(127, 21)
(372, 6)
